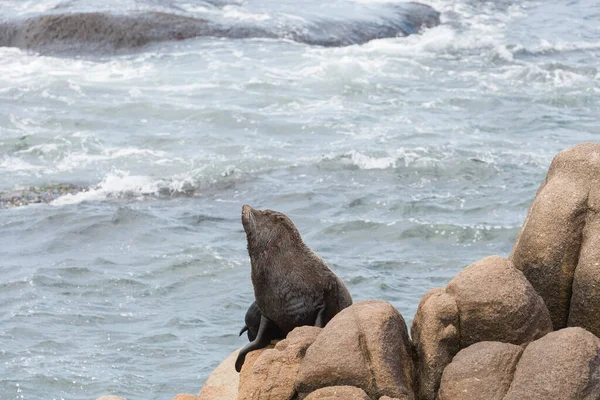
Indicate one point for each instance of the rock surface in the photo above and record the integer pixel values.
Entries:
(558, 247)
(273, 375)
(561, 365)
(481, 371)
(367, 346)
(497, 303)
(338, 393)
(185, 397)
(489, 300)
(223, 383)
(435, 335)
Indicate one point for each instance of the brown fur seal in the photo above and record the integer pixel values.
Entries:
(292, 285)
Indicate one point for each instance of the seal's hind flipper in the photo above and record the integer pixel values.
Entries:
(263, 338)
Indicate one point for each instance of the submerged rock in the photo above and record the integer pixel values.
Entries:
(103, 32)
(33, 195)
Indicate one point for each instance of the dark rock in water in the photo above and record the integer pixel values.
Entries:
(32, 195)
(96, 31)
(101, 32)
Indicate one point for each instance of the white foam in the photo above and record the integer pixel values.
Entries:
(14, 164)
(113, 185)
(364, 161)
(235, 13)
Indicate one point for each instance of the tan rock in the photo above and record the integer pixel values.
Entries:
(273, 375)
(246, 372)
(497, 303)
(185, 397)
(223, 383)
(481, 371)
(561, 365)
(392, 398)
(489, 300)
(366, 345)
(338, 393)
(436, 339)
(558, 246)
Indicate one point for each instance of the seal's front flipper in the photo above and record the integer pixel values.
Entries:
(321, 319)
(263, 338)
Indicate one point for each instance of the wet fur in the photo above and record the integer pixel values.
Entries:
(292, 285)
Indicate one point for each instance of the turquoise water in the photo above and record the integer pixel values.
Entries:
(401, 161)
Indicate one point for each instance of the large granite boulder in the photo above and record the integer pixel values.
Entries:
(489, 300)
(270, 374)
(481, 371)
(223, 383)
(435, 334)
(338, 393)
(558, 247)
(365, 345)
(562, 365)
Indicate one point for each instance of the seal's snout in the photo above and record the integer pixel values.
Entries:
(247, 214)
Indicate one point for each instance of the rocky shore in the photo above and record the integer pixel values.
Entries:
(525, 327)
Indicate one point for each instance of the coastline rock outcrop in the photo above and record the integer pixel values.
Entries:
(363, 352)
(489, 333)
(273, 373)
(367, 346)
(562, 365)
(489, 300)
(558, 247)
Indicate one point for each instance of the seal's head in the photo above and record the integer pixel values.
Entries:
(266, 228)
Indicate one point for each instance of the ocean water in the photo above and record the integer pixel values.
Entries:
(401, 161)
